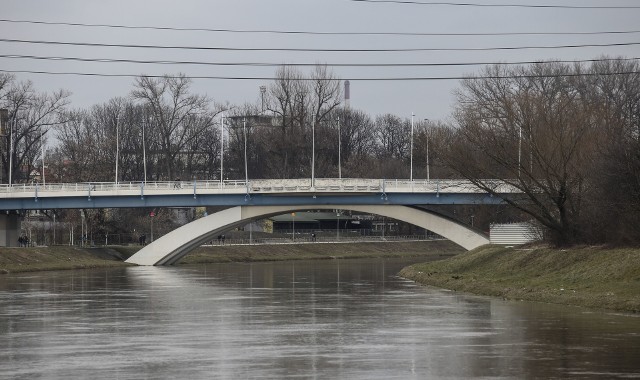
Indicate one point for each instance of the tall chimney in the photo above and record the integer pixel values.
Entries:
(347, 93)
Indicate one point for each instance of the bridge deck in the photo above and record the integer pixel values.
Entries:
(261, 186)
(263, 191)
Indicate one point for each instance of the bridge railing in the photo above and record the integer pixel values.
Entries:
(319, 185)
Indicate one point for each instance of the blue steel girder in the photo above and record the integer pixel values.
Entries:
(189, 200)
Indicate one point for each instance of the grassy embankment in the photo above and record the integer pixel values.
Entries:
(317, 251)
(590, 277)
(64, 257)
(57, 258)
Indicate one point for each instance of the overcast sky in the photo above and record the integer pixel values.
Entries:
(426, 98)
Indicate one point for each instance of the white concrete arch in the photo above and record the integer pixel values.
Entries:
(173, 246)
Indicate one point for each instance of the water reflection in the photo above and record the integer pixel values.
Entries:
(320, 319)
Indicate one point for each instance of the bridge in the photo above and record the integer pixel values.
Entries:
(252, 200)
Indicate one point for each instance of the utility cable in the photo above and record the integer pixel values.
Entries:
(361, 50)
(327, 79)
(540, 6)
(267, 64)
(266, 31)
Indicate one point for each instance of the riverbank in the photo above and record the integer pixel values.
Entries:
(320, 251)
(31, 259)
(589, 277)
(14, 260)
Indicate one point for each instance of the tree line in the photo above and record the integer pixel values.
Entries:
(566, 135)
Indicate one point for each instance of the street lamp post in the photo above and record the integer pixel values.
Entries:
(222, 150)
(44, 182)
(244, 130)
(117, 148)
(411, 148)
(339, 151)
(519, 149)
(427, 120)
(11, 149)
(144, 152)
(313, 151)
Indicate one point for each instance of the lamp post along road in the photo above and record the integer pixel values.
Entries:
(313, 151)
(411, 151)
(117, 148)
(428, 130)
(44, 182)
(519, 149)
(222, 149)
(244, 130)
(144, 153)
(339, 151)
(11, 149)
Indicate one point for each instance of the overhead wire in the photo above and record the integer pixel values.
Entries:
(586, 74)
(354, 50)
(303, 64)
(335, 50)
(494, 5)
(341, 33)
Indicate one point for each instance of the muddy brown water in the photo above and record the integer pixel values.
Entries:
(332, 319)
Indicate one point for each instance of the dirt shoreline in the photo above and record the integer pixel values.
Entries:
(588, 277)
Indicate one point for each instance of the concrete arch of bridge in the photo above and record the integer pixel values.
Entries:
(173, 246)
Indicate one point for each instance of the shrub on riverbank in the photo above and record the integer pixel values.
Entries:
(591, 277)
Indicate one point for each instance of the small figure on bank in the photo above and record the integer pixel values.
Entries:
(222, 239)
(143, 239)
(219, 239)
(20, 241)
(313, 237)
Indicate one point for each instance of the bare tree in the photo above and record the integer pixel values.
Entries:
(31, 115)
(299, 104)
(177, 116)
(530, 128)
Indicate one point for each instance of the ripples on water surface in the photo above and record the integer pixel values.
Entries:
(347, 319)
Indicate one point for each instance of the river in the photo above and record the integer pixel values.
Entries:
(331, 319)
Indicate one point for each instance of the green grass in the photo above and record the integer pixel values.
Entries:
(318, 251)
(591, 277)
(65, 257)
(56, 258)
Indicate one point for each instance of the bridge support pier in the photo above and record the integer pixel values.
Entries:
(10, 225)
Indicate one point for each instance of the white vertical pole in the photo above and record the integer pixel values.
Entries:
(313, 151)
(339, 151)
(44, 182)
(11, 148)
(519, 149)
(411, 147)
(117, 148)
(246, 172)
(144, 153)
(222, 150)
(428, 132)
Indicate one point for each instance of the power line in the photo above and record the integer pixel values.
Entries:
(266, 31)
(312, 79)
(220, 48)
(540, 6)
(268, 64)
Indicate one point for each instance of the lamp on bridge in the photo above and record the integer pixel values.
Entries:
(427, 124)
(411, 150)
